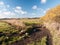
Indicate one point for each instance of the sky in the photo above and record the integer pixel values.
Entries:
(25, 8)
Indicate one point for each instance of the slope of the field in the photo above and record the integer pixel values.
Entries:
(51, 14)
(27, 34)
(52, 22)
(8, 33)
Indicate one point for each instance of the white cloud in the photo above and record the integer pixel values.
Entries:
(38, 9)
(43, 1)
(33, 13)
(43, 11)
(23, 12)
(18, 7)
(39, 12)
(8, 6)
(20, 11)
(34, 7)
(5, 11)
(46, 10)
(1, 3)
(8, 13)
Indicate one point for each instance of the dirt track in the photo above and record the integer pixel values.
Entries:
(38, 34)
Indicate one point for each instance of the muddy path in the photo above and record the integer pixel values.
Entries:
(36, 33)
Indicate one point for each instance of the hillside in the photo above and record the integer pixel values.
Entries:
(22, 32)
(52, 22)
(52, 14)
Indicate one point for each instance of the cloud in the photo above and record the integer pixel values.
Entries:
(18, 7)
(41, 11)
(19, 10)
(38, 9)
(38, 12)
(43, 1)
(16, 12)
(3, 6)
(1, 3)
(46, 10)
(6, 12)
(8, 6)
(34, 7)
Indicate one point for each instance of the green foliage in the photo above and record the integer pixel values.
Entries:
(9, 34)
(43, 41)
(32, 23)
(29, 23)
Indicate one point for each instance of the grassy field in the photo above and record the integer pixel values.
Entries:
(9, 34)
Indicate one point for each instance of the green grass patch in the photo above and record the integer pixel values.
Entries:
(39, 42)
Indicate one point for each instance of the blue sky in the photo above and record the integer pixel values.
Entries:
(25, 8)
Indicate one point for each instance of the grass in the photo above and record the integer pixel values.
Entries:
(8, 32)
(32, 23)
(40, 42)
